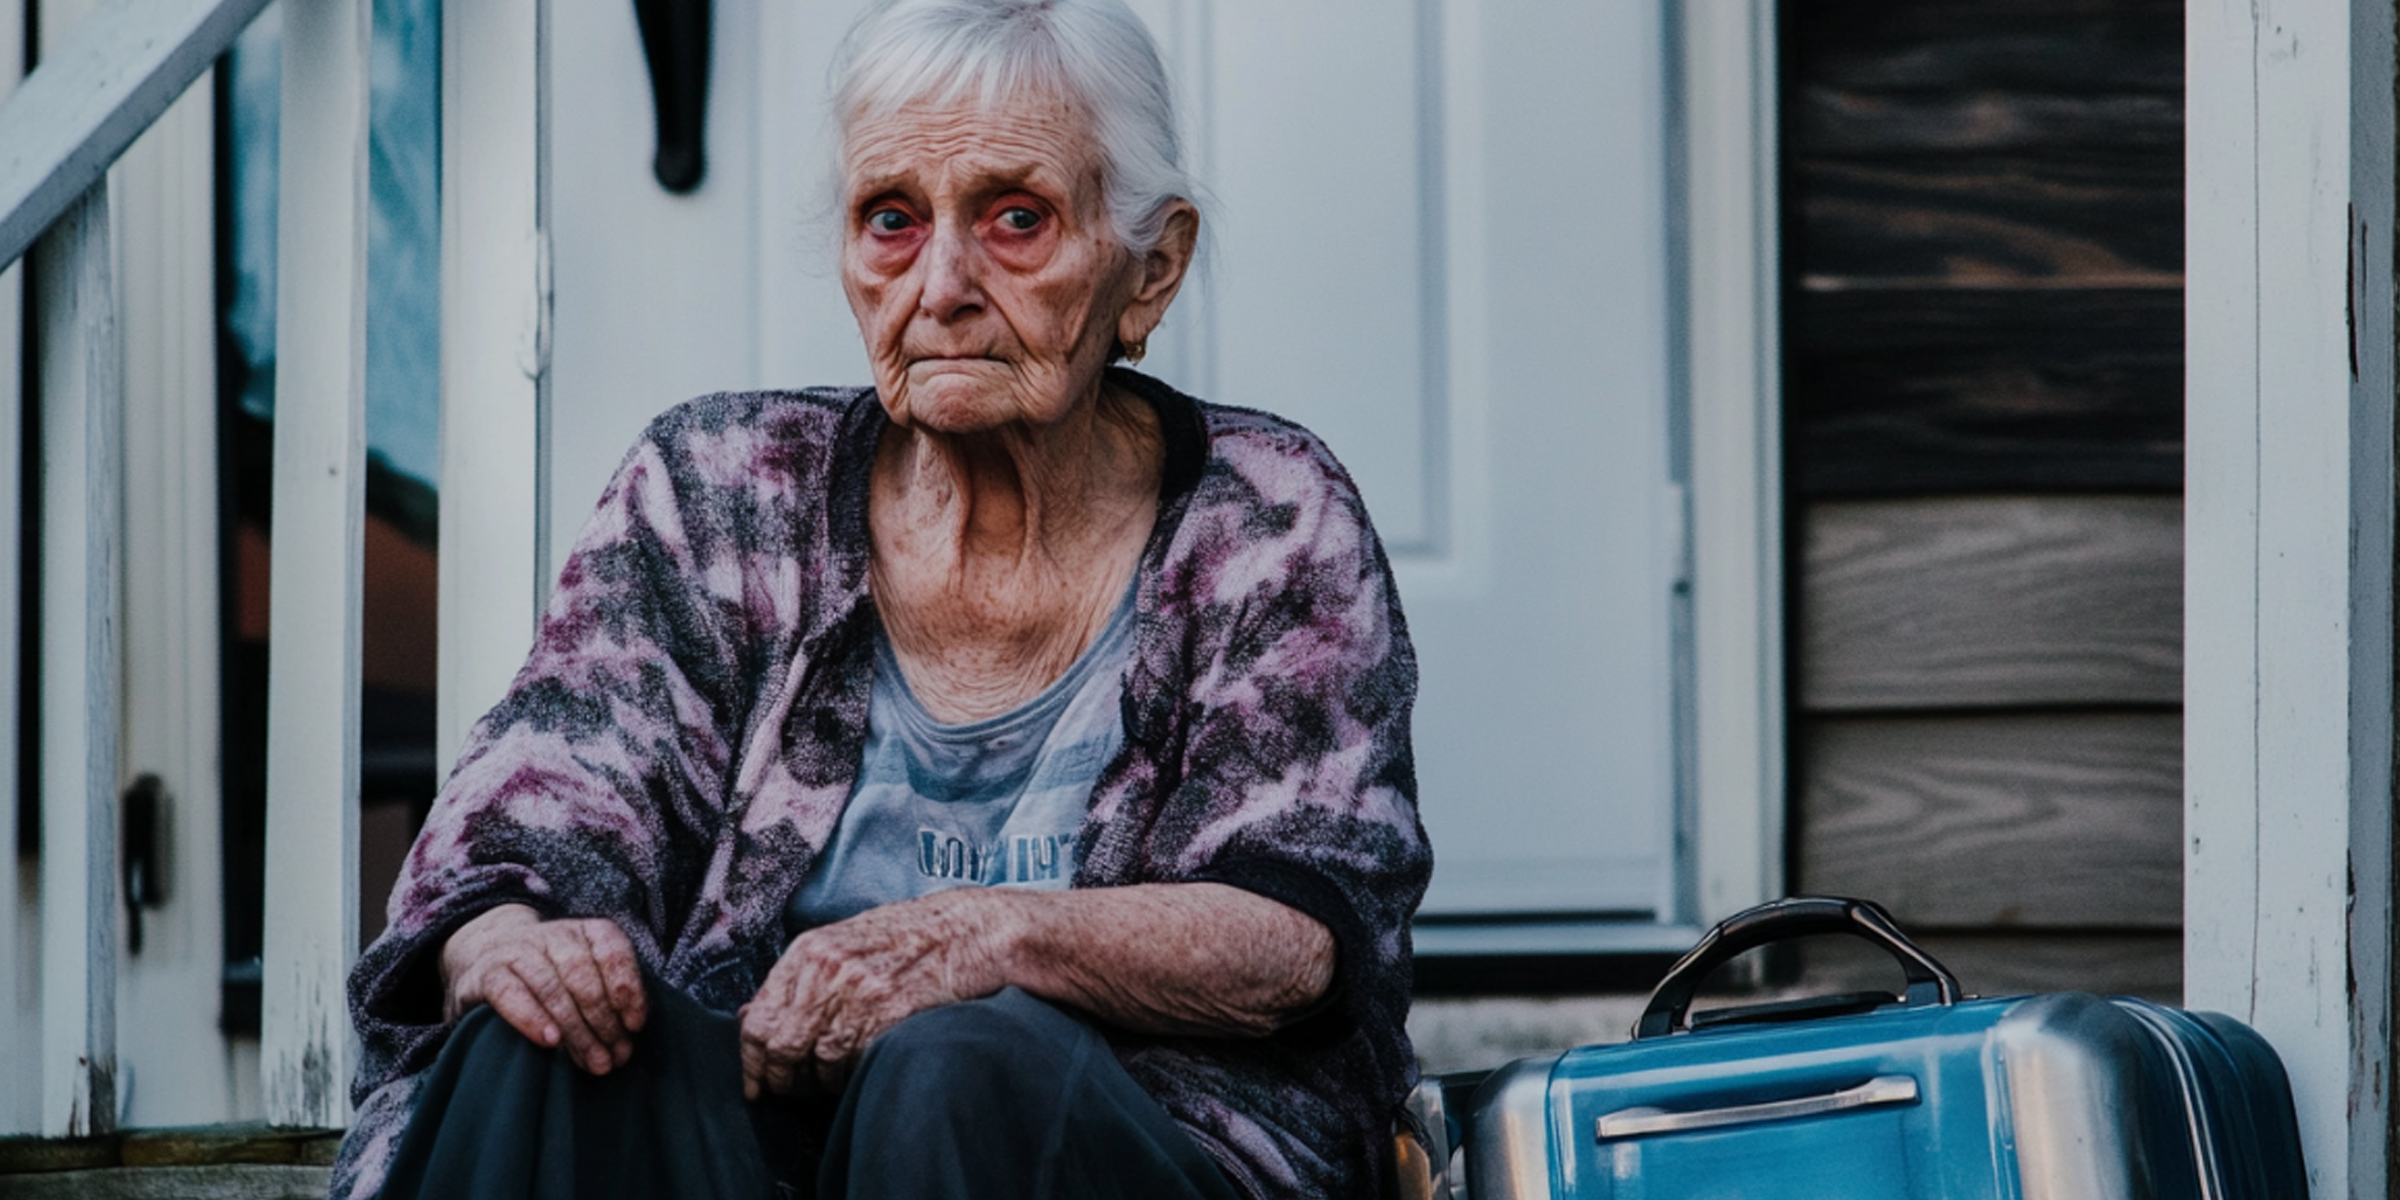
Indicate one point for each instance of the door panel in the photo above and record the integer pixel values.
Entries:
(1321, 305)
(1442, 245)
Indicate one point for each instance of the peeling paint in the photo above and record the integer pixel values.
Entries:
(103, 1077)
(93, 1110)
(306, 1077)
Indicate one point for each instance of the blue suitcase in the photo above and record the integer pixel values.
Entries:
(1888, 1097)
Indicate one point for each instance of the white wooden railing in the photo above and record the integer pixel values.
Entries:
(92, 95)
(317, 563)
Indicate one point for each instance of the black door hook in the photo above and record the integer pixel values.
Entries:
(675, 41)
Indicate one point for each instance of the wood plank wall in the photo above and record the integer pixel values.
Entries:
(1984, 373)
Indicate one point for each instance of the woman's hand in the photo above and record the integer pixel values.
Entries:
(838, 986)
(1170, 958)
(574, 982)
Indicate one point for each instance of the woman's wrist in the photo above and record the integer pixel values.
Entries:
(998, 928)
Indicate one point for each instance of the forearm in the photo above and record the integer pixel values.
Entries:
(1167, 957)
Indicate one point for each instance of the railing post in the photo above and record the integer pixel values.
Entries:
(82, 466)
(319, 523)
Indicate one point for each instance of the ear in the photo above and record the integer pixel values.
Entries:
(1161, 274)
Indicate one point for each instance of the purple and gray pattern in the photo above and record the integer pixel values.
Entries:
(678, 747)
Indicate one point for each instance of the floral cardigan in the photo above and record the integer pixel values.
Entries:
(680, 743)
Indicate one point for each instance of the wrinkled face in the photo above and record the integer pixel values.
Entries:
(977, 257)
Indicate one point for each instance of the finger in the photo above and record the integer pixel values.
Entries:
(579, 970)
(829, 1075)
(788, 1042)
(622, 973)
(573, 1035)
(768, 1051)
(765, 1071)
(779, 1076)
(765, 1024)
(754, 1057)
(518, 1006)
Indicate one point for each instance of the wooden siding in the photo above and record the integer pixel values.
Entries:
(2015, 963)
(1904, 389)
(1985, 206)
(2050, 820)
(1976, 602)
(1985, 444)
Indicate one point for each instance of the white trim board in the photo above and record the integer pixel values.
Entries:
(1733, 344)
(20, 909)
(2288, 567)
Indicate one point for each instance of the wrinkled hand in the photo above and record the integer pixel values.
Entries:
(572, 982)
(838, 986)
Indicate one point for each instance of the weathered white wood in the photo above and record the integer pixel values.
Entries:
(1973, 602)
(1736, 454)
(2288, 689)
(320, 471)
(495, 354)
(82, 476)
(20, 945)
(2046, 820)
(169, 1049)
(93, 94)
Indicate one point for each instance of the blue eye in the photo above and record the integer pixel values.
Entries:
(887, 220)
(1020, 219)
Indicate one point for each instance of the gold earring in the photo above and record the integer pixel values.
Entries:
(1134, 352)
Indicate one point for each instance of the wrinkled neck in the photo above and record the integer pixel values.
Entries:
(1028, 494)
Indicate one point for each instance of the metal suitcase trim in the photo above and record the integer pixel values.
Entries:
(1510, 1132)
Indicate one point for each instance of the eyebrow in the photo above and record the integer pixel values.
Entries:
(874, 178)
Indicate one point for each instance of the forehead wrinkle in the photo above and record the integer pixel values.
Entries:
(982, 149)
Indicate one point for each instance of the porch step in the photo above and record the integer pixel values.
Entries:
(206, 1162)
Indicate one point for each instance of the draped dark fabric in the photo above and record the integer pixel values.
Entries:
(1003, 1098)
(504, 1119)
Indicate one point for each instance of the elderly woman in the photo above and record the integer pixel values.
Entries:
(1018, 746)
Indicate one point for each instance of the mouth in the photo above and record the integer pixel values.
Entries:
(939, 361)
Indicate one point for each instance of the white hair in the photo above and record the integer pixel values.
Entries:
(1096, 54)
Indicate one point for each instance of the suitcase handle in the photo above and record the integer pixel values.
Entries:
(1641, 1122)
(1670, 1006)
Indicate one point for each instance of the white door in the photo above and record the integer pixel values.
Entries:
(1441, 242)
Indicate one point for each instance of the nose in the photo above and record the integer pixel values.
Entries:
(953, 265)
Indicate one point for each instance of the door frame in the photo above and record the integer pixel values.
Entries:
(1733, 375)
(2288, 553)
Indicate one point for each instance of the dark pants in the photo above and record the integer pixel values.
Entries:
(1007, 1096)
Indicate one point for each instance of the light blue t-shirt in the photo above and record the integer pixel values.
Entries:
(991, 803)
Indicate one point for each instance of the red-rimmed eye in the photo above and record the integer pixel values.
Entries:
(889, 220)
(1019, 219)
